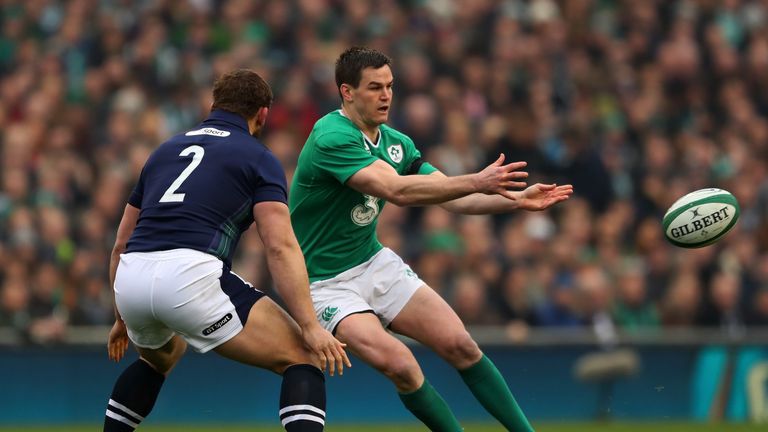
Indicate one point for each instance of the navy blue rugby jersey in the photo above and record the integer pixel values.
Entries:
(197, 190)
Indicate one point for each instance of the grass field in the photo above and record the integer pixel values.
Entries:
(543, 427)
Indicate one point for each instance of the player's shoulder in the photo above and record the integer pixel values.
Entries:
(334, 128)
(395, 135)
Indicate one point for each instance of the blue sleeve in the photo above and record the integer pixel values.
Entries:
(138, 192)
(271, 184)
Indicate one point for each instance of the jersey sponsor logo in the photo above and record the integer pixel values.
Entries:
(208, 131)
(217, 325)
(410, 273)
(395, 152)
(329, 312)
(364, 214)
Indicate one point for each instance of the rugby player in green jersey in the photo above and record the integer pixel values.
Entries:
(351, 164)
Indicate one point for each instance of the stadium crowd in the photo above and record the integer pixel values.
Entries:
(633, 102)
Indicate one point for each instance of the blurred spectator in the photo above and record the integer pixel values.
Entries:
(632, 309)
(682, 303)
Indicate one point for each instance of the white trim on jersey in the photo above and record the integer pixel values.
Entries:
(124, 408)
(308, 417)
(302, 407)
(378, 137)
(121, 419)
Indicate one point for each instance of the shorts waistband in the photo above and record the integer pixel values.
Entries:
(171, 254)
(356, 270)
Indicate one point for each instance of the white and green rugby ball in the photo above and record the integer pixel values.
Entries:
(700, 218)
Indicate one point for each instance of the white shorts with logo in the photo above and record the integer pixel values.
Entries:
(383, 285)
(181, 291)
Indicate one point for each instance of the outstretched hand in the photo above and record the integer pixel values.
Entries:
(541, 196)
(118, 341)
(327, 348)
(498, 178)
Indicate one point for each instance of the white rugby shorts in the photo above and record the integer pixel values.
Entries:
(181, 291)
(383, 285)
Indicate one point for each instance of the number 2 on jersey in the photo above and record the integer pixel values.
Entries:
(170, 194)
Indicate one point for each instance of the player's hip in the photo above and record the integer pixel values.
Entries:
(383, 285)
(183, 291)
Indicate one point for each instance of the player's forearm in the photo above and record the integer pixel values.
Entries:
(423, 189)
(286, 265)
(476, 204)
(124, 231)
(114, 259)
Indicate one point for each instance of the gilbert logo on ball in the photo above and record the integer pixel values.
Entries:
(700, 218)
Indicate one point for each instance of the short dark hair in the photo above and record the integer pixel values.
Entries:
(241, 91)
(350, 64)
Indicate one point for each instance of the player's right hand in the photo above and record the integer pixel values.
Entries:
(118, 341)
(498, 178)
(327, 348)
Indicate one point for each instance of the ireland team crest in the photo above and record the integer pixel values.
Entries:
(395, 152)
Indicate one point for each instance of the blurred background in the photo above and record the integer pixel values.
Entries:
(635, 103)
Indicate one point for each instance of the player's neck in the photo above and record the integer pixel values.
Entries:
(372, 132)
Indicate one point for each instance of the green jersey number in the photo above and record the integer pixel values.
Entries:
(364, 214)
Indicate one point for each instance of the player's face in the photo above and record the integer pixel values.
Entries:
(373, 97)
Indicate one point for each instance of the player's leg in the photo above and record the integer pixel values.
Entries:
(136, 389)
(427, 311)
(271, 339)
(367, 339)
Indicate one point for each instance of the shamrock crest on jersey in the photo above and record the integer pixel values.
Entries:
(395, 152)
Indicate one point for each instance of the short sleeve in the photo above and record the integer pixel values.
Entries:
(426, 168)
(341, 156)
(415, 164)
(271, 184)
(138, 191)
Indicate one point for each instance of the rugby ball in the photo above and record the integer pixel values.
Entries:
(700, 218)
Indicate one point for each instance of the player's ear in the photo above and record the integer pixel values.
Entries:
(261, 115)
(346, 92)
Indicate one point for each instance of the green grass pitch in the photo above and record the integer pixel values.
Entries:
(540, 427)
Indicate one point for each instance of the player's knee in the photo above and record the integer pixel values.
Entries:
(403, 371)
(460, 350)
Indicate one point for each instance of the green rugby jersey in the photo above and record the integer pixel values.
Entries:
(335, 224)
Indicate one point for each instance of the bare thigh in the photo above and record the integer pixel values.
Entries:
(431, 321)
(270, 339)
(367, 339)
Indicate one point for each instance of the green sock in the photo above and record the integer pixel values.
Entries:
(429, 407)
(490, 389)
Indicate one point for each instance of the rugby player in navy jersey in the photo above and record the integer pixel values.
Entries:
(171, 266)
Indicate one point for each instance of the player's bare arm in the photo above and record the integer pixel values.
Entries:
(536, 197)
(286, 265)
(381, 180)
(118, 337)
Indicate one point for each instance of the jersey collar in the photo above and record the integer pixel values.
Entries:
(221, 116)
(365, 137)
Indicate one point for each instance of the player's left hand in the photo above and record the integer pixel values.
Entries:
(541, 196)
(327, 348)
(118, 341)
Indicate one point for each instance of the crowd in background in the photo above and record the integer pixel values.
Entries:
(633, 102)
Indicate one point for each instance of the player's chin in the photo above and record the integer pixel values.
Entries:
(382, 116)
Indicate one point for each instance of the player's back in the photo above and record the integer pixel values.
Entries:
(197, 190)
